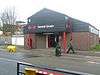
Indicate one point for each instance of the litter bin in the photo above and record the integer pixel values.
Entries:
(11, 48)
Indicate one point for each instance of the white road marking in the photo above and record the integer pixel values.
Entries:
(9, 60)
(93, 62)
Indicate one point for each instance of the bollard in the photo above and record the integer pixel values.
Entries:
(30, 71)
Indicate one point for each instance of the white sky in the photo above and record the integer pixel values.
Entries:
(85, 10)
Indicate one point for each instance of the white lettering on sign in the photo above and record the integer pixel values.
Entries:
(46, 26)
(42, 26)
(49, 26)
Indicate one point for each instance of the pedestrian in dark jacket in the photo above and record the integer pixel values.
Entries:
(70, 47)
(57, 50)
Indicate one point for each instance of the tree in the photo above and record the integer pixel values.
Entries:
(8, 18)
(1, 27)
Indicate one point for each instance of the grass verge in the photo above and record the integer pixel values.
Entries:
(95, 48)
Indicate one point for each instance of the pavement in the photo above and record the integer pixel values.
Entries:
(51, 51)
(7, 67)
(81, 61)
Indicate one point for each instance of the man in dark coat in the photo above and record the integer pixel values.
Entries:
(57, 50)
(70, 47)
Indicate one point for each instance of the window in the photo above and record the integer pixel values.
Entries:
(29, 20)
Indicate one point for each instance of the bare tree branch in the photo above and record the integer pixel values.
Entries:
(8, 18)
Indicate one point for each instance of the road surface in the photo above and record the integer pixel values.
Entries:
(87, 64)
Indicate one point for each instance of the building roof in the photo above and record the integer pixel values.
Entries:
(46, 11)
(47, 16)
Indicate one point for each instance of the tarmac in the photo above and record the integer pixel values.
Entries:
(81, 61)
(51, 52)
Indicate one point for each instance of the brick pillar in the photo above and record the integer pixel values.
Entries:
(29, 41)
(64, 40)
(46, 41)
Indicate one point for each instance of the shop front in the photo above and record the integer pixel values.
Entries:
(45, 28)
(45, 39)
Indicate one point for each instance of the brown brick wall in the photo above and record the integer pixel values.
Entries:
(26, 36)
(81, 40)
(93, 39)
(40, 41)
(84, 40)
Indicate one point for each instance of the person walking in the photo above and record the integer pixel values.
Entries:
(57, 50)
(70, 47)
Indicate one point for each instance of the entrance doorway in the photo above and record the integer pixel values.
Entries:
(52, 39)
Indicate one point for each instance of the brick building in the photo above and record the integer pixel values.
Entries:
(47, 27)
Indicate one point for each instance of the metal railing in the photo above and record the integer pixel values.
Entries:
(62, 71)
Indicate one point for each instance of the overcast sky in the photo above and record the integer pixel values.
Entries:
(85, 10)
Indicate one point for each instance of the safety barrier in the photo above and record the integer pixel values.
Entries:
(31, 71)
